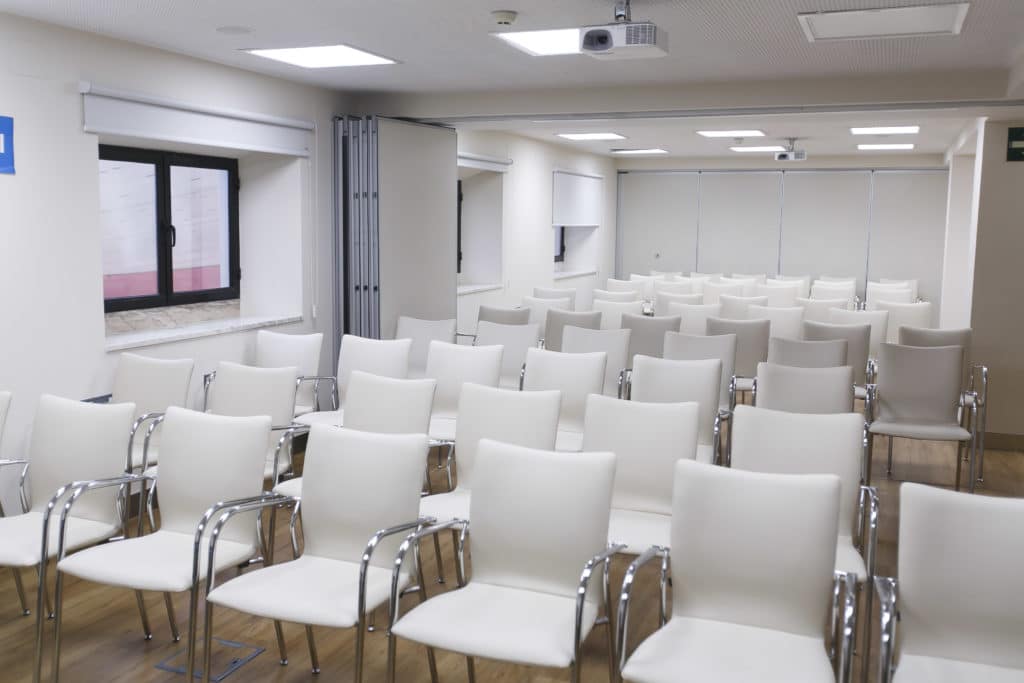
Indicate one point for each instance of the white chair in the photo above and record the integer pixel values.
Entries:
(558, 320)
(612, 312)
(919, 396)
(302, 351)
(713, 290)
(664, 300)
(668, 275)
(698, 280)
(363, 491)
(656, 380)
(680, 285)
(785, 323)
(576, 376)
(707, 277)
(749, 284)
(735, 307)
(909, 284)
(804, 280)
(820, 310)
(421, 333)
(614, 343)
(383, 405)
(799, 353)
(647, 281)
(647, 333)
(947, 632)
(387, 358)
(452, 366)
(539, 308)
(702, 347)
(858, 345)
(605, 295)
(804, 390)
(843, 279)
(647, 440)
(780, 293)
(515, 340)
(847, 291)
(752, 571)
(758, 278)
(695, 316)
(229, 452)
(70, 441)
(533, 557)
(637, 287)
(505, 316)
(879, 321)
(557, 293)
(905, 315)
(897, 293)
(751, 346)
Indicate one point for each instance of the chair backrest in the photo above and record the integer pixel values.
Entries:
(537, 542)
(607, 295)
(713, 290)
(735, 307)
(668, 275)
(749, 284)
(753, 548)
(791, 443)
(384, 357)
(834, 290)
(557, 293)
(301, 351)
(355, 484)
(208, 458)
(422, 332)
(779, 292)
(647, 440)
(799, 353)
(389, 406)
(944, 537)
(77, 441)
(805, 390)
(879, 321)
(758, 278)
(858, 342)
(804, 280)
(648, 333)
(676, 286)
(841, 279)
(647, 281)
(453, 365)
(751, 341)
(680, 346)
(242, 390)
(522, 418)
(515, 339)
(820, 310)
(614, 343)
(505, 316)
(611, 311)
(656, 380)
(152, 384)
(539, 308)
(919, 384)
(923, 336)
(909, 284)
(785, 323)
(912, 315)
(698, 280)
(877, 292)
(558, 320)
(663, 300)
(707, 277)
(638, 287)
(576, 375)
(695, 316)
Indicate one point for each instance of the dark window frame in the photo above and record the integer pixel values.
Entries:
(458, 232)
(560, 256)
(162, 162)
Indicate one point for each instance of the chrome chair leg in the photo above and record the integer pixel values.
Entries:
(20, 588)
(360, 646)
(280, 642)
(57, 613)
(888, 470)
(312, 649)
(175, 635)
(271, 533)
(448, 465)
(208, 643)
(146, 630)
(470, 670)
(834, 622)
(611, 629)
(49, 603)
(981, 443)
(431, 655)
(440, 562)
(371, 621)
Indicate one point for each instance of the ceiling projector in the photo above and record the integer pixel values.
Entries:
(625, 39)
(791, 153)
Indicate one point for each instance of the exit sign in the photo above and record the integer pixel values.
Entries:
(6, 144)
(1015, 145)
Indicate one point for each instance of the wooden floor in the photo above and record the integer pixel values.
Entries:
(103, 639)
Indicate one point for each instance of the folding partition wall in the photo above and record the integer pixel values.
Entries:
(865, 223)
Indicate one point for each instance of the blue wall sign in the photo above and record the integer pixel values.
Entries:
(6, 144)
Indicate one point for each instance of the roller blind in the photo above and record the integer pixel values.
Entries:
(658, 222)
(739, 222)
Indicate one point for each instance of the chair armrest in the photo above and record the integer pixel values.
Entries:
(75, 492)
(888, 591)
(732, 394)
(155, 418)
(239, 506)
(102, 398)
(982, 394)
(412, 540)
(867, 526)
(601, 558)
(288, 433)
(847, 626)
(753, 391)
(870, 402)
(625, 382)
(5, 462)
(522, 376)
(208, 379)
(622, 631)
(316, 379)
(872, 370)
(371, 546)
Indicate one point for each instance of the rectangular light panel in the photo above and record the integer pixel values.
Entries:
(763, 148)
(585, 137)
(886, 130)
(322, 57)
(886, 147)
(731, 133)
(627, 152)
(562, 41)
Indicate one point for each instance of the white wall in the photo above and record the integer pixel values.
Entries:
(51, 264)
(961, 234)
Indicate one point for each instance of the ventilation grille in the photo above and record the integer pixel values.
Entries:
(641, 34)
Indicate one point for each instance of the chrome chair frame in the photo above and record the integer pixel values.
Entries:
(888, 594)
(981, 398)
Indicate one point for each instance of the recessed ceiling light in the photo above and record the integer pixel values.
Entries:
(234, 30)
(653, 150)
(891, 146)
(886, 130)
(888, 22)
(322, 56)
(583, 137)
(731, 133)
(762, 148)
(562, 41)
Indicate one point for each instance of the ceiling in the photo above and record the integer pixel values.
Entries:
(444, 45)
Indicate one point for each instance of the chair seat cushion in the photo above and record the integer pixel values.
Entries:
(310, 590)
(920, 669)
(442, 428)
(496, 622)
(929, 432)
(334, 418)
(568, 441)
(848, 560)
(23, 534)
(303, 409)
(744, 383)
(704, 651)
(446, 506)
(860, 391)
(639, 530)
(292, 487)
(160, 561)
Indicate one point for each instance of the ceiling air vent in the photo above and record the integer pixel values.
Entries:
(891, 22)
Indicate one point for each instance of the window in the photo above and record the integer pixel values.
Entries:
(169, 223)
(559, 244)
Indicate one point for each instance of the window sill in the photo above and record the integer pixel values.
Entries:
(569, 274)
(476, 289)
(210, 328)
